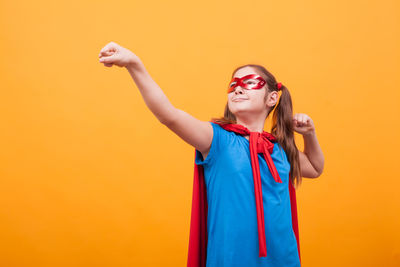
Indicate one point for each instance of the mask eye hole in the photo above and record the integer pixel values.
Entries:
(250, 81)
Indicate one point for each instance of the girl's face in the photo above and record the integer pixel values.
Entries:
(247, 101)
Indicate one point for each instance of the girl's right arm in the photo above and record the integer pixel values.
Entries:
(195, 132)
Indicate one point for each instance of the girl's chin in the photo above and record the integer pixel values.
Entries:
(240, 110)
(243, 110)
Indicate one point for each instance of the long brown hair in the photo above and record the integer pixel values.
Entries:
(282, 121)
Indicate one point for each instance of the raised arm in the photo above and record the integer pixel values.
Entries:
(312, 159)
(193, 131)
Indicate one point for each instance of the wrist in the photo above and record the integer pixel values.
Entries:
(134, 64)
(309, 134)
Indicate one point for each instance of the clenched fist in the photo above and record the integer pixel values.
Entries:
(114, 54)
(303, 124)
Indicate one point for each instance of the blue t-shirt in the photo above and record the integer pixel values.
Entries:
(232, 215)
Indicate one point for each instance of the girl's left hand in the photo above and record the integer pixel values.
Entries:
(303, 124)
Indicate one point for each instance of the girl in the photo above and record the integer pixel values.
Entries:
(248, 174)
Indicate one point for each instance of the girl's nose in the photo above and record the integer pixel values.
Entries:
(238, 90)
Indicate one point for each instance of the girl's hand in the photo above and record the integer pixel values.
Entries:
(303, 124)
(114, 54)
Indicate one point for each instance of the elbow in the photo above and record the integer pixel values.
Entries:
(311, 169)
(318, 174)
(164, 121)
(319, 171)
(169, 117)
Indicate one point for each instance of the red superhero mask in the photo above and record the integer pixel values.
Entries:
(250, 82)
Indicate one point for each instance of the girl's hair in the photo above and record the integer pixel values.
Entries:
(282, 121)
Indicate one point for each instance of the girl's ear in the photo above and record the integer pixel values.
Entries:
(272, 98)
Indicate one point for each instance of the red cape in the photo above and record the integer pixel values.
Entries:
(197, 253)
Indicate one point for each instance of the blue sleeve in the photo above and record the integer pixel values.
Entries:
(214, 149)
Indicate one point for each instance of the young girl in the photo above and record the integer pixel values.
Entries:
(249, 175)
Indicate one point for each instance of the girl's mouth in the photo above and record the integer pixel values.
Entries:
(238, 99)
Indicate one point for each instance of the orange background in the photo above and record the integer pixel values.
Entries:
(89, 177)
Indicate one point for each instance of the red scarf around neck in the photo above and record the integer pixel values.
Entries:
(259, 143)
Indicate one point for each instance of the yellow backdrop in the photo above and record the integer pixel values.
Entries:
(89, 177)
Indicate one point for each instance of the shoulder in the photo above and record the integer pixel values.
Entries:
(220, 140)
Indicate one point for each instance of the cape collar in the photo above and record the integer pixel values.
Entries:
(242, 130)
(259, 143)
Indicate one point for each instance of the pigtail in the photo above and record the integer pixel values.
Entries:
(282, 129)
